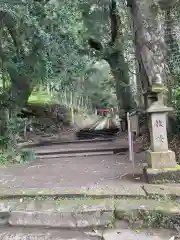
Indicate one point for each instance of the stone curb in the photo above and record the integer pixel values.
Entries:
(88, 150)
(75, 155)
(96, 192)
(122, 191)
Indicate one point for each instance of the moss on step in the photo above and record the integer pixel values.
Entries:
(169, 169)
(148, 213)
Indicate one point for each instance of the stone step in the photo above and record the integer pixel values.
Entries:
(66, 152)
(21, 233)
(88, 213)
(61, 213)
(75, 155)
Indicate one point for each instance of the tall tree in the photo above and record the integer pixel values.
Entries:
(149, 43)
(38, 44)
(41, 39)
(111, 50)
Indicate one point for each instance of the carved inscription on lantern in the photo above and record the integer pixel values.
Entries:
(159, 124)
(159, 133)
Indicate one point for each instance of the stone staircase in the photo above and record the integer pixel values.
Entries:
(55, 219)
(77, 218)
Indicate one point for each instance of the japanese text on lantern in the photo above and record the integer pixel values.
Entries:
(159, 123)
(160, 138)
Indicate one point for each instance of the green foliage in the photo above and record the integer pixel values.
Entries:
(3, 142)
(45, 40)
(175, 102)
(43, 47)
(40, 97)
(96, 19)
(100, 87)
(10, 153)
(16, 157)
(26, 156)
(3, 158)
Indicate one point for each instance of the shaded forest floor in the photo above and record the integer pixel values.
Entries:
(53, 122)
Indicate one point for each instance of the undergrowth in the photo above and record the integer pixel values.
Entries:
(16, 157)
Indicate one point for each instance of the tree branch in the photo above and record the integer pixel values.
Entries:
(10, 23)
(115, 21)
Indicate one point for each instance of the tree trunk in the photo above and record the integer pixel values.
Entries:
(150, 47)
(113, 53)
(119, 71)
(171, 36)
(12, 101)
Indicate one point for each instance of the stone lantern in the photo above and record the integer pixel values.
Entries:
(161, 161)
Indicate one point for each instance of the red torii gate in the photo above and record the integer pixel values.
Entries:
(105, 110)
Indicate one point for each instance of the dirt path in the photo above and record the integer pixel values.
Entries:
(70, 172)
(108, 171)
(80, 171)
